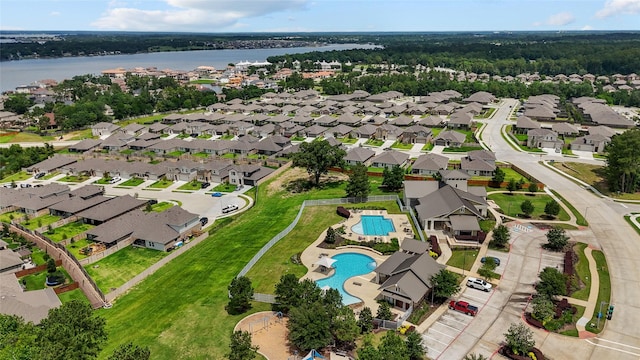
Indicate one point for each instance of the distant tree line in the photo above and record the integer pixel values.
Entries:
(15, 157)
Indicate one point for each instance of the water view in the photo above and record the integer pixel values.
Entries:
(24, 72)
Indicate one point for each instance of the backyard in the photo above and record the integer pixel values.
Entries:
(75, 247)
(40, 221)
(37, 281)
(195, 284)
(76, 294)
(121, 266)
(510, 204)
(67, 231)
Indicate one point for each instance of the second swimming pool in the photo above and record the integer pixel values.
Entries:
(373, 225)
(347, 265)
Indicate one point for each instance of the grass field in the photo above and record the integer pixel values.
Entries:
(374, 142)
(76, 294)
(401, 146)
(68, 231)
(580, 220)
(24, 137)
(6, 217)
(225, 187)
(593, 175)
(41, 221)
(463, 259)
(50, 175)
(74, 179)
(122, 266)
(510, 204)
(582, 270)
(194, 285)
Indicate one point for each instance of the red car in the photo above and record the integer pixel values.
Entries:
(463, 307)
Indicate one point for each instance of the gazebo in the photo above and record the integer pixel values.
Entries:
(325, 262)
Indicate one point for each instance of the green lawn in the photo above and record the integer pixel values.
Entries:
(201, 155)
(37, 281)
(194, 286)
(315, 219)
(68, 231)
(582, 270)
(41, 221)
(604, 290)
(510, 204)
(461, 149)
(120, 267)
(374, 142)
(580, 220)
(161, 206)
(132, 182)
(24, 137)
(81, 135)
(19, 176)
(401, 146)
(7, 217)
(230, 136)
(127, 152)
(176, 153)
(74, 178)
(427, 147)
(204, 136)
(463, 259)
(50, 175)
(75, 247)
(191, 185)
(37, 256)
(76, 294)
(182, 136)
(348, 140)
(161, 184)
(225, 187)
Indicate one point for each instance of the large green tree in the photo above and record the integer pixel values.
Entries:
(552, 208)
(393, 179)
(623, 162)
(519, 338)
(552, 282)
(240, 347)
(415, 346)
(557, 239)
(286, 292)
(317, 157)
(358, 186)
(527, 208)
(18, 339)
(365, 320)
(309, 327)
(393, 347)
(72, 331)
(500, 237)
(445, 284)
(240, 295)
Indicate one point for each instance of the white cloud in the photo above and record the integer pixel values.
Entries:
(54, 13)
(616, 7)
(560, 19)
(192, 14)
(587, 27)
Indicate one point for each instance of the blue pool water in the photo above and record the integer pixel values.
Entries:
(373, 225)
(347, 265)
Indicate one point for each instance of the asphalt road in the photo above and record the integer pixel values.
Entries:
(608, 231)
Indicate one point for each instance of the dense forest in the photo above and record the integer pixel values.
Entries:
(500, 54)
(15, 157)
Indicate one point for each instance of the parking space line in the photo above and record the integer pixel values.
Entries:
(436, 340)
(441, 333)
(451, 327)
(472, 297)
(454, 319)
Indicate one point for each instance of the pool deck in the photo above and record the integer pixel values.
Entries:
(401, 224)
(361, 286)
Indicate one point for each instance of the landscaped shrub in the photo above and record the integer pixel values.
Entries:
(435, 247)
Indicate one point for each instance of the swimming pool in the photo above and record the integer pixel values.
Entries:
(347, 265)
(373, 225)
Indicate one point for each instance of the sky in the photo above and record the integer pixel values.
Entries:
(208, 16)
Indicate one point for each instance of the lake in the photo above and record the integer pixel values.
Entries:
(24, 72)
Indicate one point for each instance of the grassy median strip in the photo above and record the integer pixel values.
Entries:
(604, 292)
(580, 220)
(582, 270)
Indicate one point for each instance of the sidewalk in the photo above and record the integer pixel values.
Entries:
(593, 296)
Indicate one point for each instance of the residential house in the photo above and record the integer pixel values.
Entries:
(103, 129)
(111, 209)
(435, 209)
(543, 138)
(595, 143)
(416, 134)
(565, 129)
(460, 120)
(85, 145)
(481, 97)
(405, 278)
(524, 124)
(268, 147)
(450, 138)
(359, 155)
(390, 158)
(51, 164)
(429, 164)
(248, 174)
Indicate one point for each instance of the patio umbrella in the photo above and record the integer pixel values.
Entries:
(326, 262)
(325, 288)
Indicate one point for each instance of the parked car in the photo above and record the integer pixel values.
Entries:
(463, 307)
(216, 194)
(204, 220)
(115, 179)
(39, 175)
(478, 284)
(25, 185)
(205, 185)
(495, 260)
(229, 208)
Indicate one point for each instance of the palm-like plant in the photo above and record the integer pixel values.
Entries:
(474, 356)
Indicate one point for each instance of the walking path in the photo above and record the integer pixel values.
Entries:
(593, 296)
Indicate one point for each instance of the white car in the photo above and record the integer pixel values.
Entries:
(229, 208)
(115, 180)
(478, 284)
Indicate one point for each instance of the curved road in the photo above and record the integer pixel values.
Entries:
(608, 230)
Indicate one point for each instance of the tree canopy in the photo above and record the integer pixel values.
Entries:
(393, 179)
(240, 295)
(623, 162)
(556, 239)
(358, 186)
(444, 284)
(552, 282)
(500, 236)
(317, 157)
